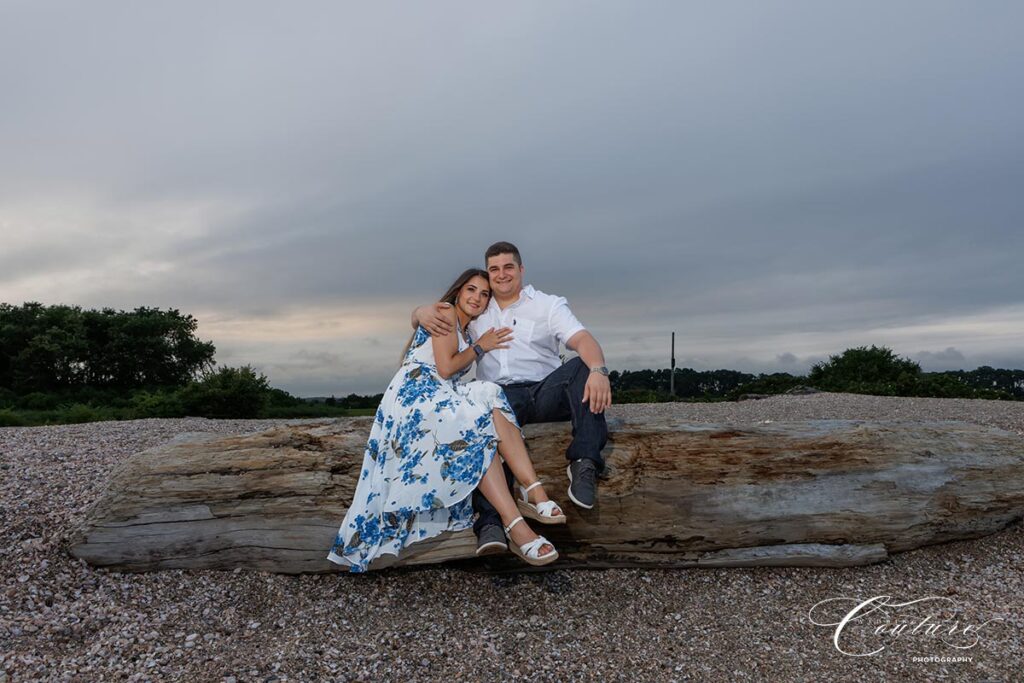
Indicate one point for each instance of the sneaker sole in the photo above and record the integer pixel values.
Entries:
(568, 470)
(492, 548)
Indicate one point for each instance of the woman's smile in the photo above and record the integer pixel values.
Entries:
(474, 296)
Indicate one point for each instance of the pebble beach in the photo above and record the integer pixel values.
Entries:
(61, 620)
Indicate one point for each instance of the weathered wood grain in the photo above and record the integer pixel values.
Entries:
(825, 493)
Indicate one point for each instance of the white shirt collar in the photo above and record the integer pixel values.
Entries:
(528, 291)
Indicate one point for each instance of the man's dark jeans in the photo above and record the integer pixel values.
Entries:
(556, 398)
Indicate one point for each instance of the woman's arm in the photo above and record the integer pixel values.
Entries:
(450, 360)
(446, 351)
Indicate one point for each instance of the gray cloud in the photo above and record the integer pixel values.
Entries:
(786, 359)
(942, 359)
(751, 177)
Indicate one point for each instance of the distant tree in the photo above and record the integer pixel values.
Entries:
(53, 348)
(689, 383)
(41, 348)
(281, 398)
(331, 401)
(865, 370)
(774, 383)
(227, 393)
(357, 401)
(1009, 382)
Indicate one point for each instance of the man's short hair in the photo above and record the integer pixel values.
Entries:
(503, 248)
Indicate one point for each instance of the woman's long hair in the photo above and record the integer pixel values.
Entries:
(450, 295)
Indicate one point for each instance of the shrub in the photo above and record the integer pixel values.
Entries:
(9, 418)
(80, 412)
(37, 400)
(157, 404)
(642, 396)
(281, 398)
(867, 371)
(227, 393)
(775, 383)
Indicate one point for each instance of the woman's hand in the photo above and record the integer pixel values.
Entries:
(495, 339)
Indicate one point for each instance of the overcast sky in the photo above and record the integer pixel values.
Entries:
(774, 181)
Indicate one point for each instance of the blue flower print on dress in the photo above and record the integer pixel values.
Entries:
(430, 443)
(420, 385)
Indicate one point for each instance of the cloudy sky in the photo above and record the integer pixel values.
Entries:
(773, 181)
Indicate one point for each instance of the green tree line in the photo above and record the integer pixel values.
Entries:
(65, 364)
(862, 370)
(49, 348)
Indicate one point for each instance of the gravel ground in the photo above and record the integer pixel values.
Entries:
(61, 620)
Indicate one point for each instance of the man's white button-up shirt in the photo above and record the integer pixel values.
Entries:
(539, 322)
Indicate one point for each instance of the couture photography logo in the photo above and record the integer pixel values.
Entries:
(868, 627)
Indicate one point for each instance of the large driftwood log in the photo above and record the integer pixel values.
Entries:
(828, 493)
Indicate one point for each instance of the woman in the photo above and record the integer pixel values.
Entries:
(433, 442)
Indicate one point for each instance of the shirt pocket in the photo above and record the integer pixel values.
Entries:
(522, 332)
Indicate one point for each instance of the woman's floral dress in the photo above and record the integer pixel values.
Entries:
(430, 444)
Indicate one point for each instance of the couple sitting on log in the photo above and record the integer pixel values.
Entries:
(429, 462)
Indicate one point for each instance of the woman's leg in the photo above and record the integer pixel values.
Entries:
(513, 450)
(495, 489)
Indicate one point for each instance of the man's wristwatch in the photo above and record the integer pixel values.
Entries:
(479, 351)
(600, 368)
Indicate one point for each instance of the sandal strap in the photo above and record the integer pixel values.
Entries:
(547, 508)
(532, 549)
(524, 491)
(508, 529)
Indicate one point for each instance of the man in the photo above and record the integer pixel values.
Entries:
(539, 388)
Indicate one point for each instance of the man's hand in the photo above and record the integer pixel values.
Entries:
(434, 319)
(598, 392)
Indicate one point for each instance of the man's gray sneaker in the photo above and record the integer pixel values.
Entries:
(491, 541)
(582, 483)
